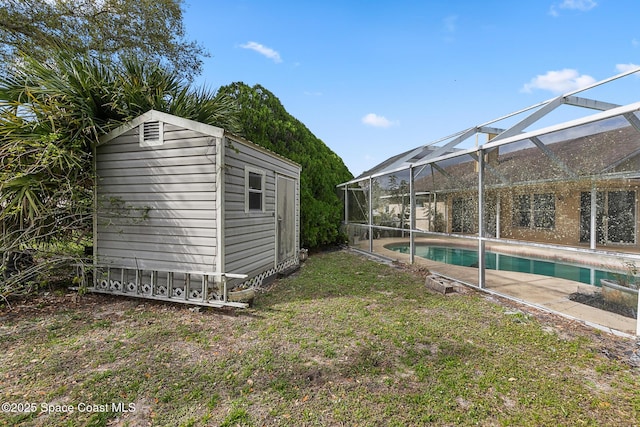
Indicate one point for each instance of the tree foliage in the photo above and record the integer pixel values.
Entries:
(53, 112)
(52, 115)
(150, 30)
(265, 122)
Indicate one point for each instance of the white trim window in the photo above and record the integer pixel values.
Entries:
(615, 216)
(254, 189)
(537, 211)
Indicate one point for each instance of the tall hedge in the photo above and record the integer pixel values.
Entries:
(265, 122)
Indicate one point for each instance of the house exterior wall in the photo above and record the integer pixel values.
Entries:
(457, 213)
(250, 235)
(567, 217)
(156, 205)
(567, 214)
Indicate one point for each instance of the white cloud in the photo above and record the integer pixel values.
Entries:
(581, 5)
(263, 50)
(375, 120)
(558, 82)
(623, 68)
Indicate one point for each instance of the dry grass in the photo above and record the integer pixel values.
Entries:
(347, 341)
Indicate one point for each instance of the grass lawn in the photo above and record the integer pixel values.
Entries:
(346, 341)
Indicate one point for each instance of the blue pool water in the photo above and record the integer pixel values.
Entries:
(495, 261)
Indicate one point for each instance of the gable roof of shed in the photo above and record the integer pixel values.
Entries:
(155, 115)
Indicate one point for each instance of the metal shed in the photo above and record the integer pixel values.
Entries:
(188, 212)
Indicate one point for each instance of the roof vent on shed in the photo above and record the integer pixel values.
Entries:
(151, 134)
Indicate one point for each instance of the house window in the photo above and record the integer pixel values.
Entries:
(522, 211)
(615, 216)
(621, 216)
(544, 210)
(463, 215)
(254, 190)
(537, 211)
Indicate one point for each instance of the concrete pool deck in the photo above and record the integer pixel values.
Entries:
(544, 292)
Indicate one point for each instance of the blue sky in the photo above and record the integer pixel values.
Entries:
(374, 78)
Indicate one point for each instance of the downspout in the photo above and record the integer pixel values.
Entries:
(220, 241)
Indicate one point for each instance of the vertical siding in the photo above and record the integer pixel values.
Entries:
(250, 237)
(156, 206)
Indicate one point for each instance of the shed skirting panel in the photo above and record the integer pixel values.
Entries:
(257, 280)
(197, 288)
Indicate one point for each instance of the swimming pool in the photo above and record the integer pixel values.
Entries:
(496, 261)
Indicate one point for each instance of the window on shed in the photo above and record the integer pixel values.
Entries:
(151, 134)
(254, 189)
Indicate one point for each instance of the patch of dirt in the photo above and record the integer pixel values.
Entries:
(614, 347)
(597, 300)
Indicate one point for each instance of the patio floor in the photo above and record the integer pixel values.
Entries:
(544, 292)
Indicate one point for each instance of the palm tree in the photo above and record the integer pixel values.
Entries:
(51, 117)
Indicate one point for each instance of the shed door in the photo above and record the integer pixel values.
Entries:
(285, 217)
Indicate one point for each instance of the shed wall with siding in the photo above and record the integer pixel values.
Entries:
(157, 205)
(250, 237)
(179, 204)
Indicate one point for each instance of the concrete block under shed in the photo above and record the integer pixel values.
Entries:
(439, 284)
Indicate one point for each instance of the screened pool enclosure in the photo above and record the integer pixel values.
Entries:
(520, 185)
